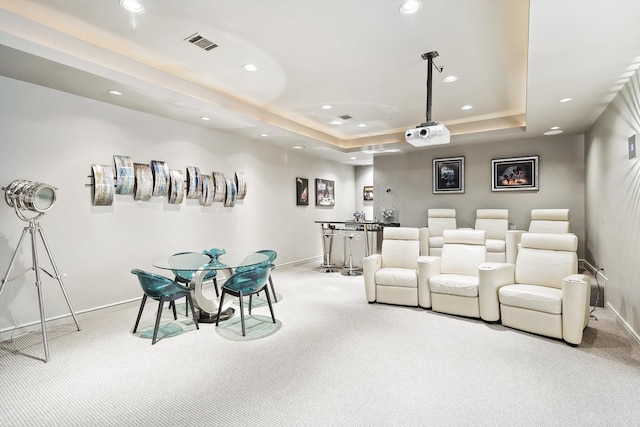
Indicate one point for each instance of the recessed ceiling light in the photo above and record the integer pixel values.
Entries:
(566, 100)
(466, 107)
(555, 128)
(263, 134)
(299, 147)
(409, 7)
(249, 67)
(450, 79)
(326, 107)
(553, 132)
(362, 125)
(336, 122)
(353, 158)
(132, 6)
(115, 92)
(205, 118)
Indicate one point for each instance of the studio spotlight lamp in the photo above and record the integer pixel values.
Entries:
(23, 195)
(31, 200)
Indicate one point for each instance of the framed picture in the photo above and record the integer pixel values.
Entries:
(448, 175)
(516, 173)
(325, 192)
(302, 191)
(368, 193)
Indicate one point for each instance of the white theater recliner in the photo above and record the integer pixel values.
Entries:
(495, 222)
(542, 293)
(453, 276)
(394, 276)
(431, 237)
(542, 221)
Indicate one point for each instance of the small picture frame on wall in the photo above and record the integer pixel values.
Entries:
(367, 193)
(302, 191)
(448, 175)
(325, 192)
(514, 174)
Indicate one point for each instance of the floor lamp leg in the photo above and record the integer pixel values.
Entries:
(58, 276)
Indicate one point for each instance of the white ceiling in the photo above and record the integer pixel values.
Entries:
(515, 59)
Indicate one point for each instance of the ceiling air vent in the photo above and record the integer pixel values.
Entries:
(346, 117)
(201, 42)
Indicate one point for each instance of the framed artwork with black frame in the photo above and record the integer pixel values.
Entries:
(302, 191)
(325, 192)
(448, 175)
(367, 193)
(514, 174)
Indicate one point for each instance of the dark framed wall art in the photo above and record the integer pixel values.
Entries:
(302, 191)
(325, 192)
(448, 175)
(367, 193)
(514, 174)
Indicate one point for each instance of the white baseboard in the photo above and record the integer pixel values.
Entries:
(625, 325)
(18, 330)
(593, 270)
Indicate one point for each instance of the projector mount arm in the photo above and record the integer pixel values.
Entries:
(429, 58)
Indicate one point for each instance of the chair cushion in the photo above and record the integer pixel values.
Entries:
(494, 245)
(532, 297)
(436, 241)
(463, 252)
(439, 220)
(403, 277)
(549, 221)
(546, 259)
(494, 221)
(454, 284)
(400, 253)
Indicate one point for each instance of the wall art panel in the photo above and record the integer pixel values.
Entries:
(206, 195)
(143, 187)
(194, 182)
(232, 194)
(160, 178)
(220, 186)
(103, 185)
(241, 185)
(125, 177)
(176, 187)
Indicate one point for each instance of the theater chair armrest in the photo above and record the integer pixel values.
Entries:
(427, 267)
(576, 293)
(370, 265)
(492, 276)
(512, 240)
(424, 241)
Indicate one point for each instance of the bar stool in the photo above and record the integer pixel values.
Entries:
(327, 243)
(350, 270)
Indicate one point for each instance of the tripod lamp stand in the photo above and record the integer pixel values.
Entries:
(34, 198)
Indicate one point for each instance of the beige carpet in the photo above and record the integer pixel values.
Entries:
(332, 359)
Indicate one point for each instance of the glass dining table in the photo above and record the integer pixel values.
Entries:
(200, 266)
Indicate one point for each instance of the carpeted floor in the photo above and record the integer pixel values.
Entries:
(331, 359)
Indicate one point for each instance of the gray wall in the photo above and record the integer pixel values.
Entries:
(54, 137)
(561, 182)
(613, 202)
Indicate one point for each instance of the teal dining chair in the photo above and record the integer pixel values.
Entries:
(246, 283)
(161, 289)
(272, 257)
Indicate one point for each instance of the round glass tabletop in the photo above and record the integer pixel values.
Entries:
(195, 261)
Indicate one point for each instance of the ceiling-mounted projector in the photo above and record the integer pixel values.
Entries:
(423, 136)
(429, 133)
